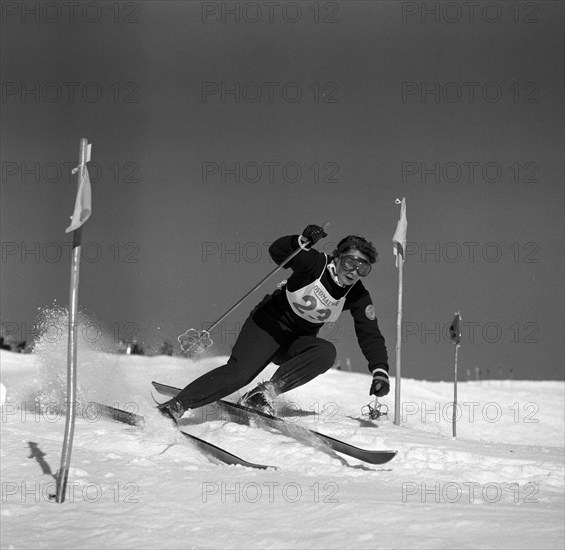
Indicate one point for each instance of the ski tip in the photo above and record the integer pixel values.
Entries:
(155, 399)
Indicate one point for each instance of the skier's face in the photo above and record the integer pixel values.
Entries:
(349, 277)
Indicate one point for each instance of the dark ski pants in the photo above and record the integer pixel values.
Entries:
(301, 360)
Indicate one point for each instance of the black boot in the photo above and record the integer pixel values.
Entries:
(260, 398)
(172, 409)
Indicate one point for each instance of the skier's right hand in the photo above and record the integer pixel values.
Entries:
(313, 233)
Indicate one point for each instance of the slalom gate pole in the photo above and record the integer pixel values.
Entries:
(399, 240)
(455, 337)
(398, 376)
(71, 351)
(454, 417)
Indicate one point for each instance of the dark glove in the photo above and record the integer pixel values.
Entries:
(313, 233)
(381, 384)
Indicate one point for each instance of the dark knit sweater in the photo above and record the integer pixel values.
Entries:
(275, 315)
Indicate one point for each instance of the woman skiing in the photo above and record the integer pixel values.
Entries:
(283, 327)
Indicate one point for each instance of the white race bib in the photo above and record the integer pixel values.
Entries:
(315, 304)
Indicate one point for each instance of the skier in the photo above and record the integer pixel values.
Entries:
(283, 327)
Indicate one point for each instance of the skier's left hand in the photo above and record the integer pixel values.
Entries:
(313, 233)
(380, 384)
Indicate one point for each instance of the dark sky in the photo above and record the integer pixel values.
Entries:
(219, 126)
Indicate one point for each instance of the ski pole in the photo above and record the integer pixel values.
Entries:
(198, 340)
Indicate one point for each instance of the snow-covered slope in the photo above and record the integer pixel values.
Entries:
(499, 484)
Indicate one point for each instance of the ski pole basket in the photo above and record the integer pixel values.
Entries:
(195, 340)
(375, 410)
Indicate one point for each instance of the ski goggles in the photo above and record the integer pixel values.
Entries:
(352, 263)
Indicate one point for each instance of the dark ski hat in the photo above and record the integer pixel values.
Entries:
(359, 243)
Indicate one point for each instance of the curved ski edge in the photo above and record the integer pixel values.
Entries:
(209, 449)
(224, 456)
(119, 415)
(366, 455)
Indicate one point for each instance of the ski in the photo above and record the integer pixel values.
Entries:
(301, 433)
(119, 415)
(208, 449)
